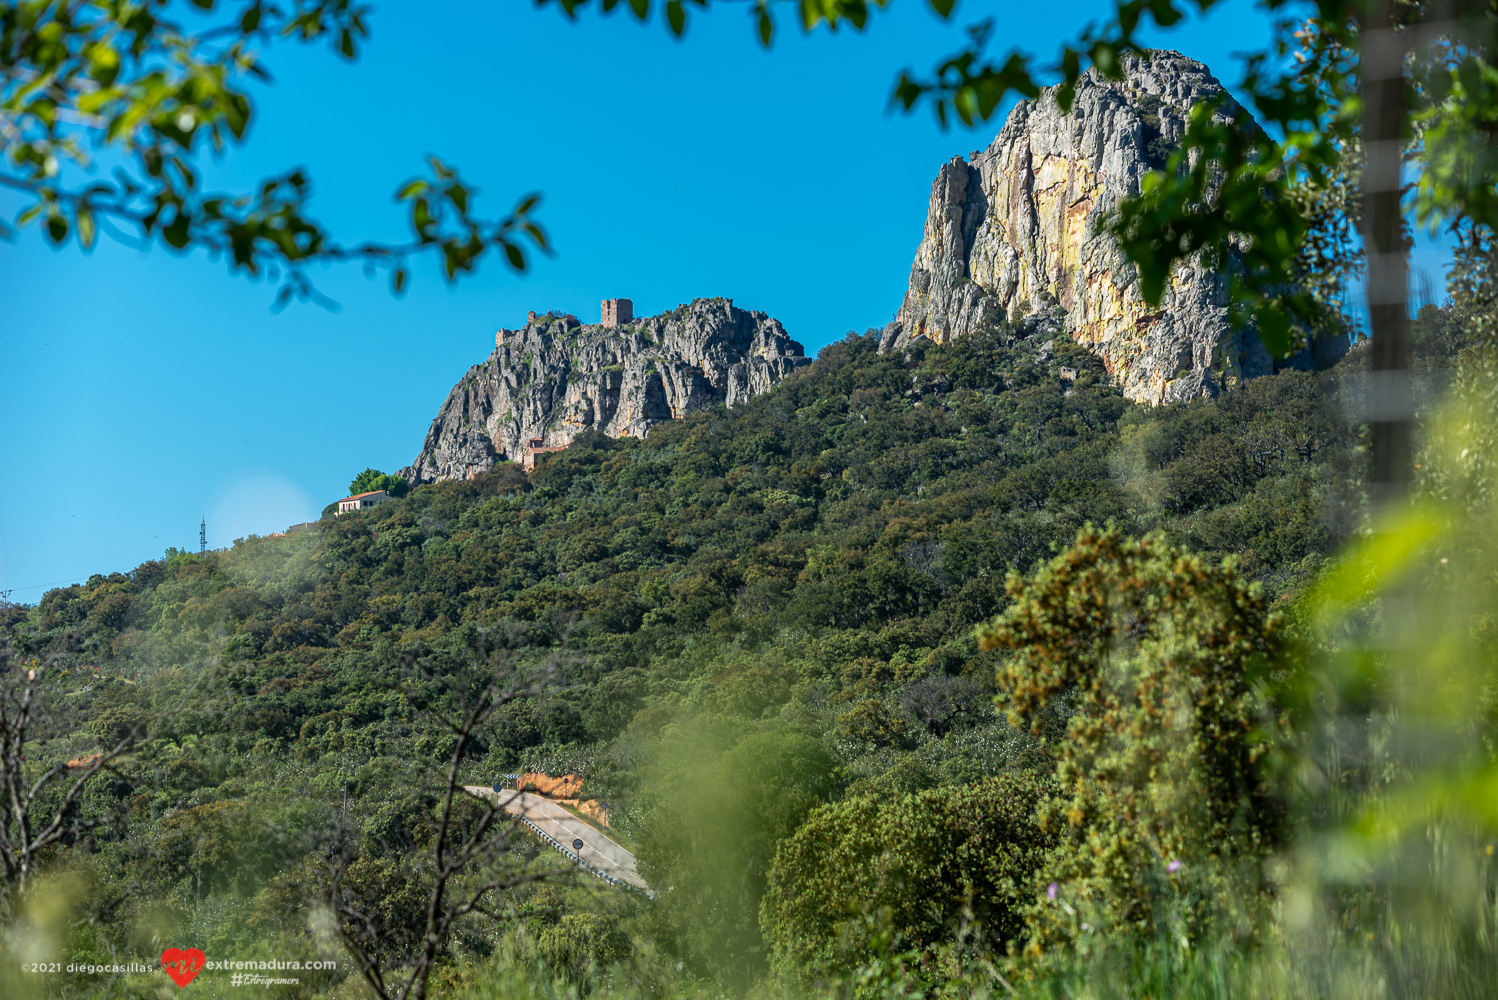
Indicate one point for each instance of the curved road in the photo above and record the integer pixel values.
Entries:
(556, 822)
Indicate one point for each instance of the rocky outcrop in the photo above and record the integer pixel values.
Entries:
(555, 377)
(1015, 230)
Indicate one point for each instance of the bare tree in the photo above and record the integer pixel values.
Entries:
(469, 861)
(42, 803)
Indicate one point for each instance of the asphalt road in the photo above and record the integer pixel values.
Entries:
(598, 850)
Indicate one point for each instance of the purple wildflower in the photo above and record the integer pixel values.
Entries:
(1051, 892)
(1173, 867)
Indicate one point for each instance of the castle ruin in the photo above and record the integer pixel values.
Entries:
(615, 312)
(535, 448)
(531, 317)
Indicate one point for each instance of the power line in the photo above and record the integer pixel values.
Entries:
(80, 577)
(38, 586)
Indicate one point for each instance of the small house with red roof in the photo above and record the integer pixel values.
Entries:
(362, 500)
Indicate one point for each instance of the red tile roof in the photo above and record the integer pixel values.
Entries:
(371, 493)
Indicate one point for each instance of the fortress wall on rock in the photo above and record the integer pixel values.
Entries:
(555, 377)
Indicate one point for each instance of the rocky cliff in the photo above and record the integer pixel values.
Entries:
(1014, 230)
(555, 377)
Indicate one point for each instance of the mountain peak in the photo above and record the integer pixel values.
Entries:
(555, 377)
(1017, 230)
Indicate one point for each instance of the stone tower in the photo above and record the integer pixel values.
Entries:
(615, 312)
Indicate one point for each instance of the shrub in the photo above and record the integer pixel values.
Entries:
(116, 724)
(371, 480)
(875, 873)
(870, 721)
(713, 818)
(582, 944)
(1155, 655)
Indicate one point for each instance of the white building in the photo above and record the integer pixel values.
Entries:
(362, 500)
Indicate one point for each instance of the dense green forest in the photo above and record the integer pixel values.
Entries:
(943, 673)
(829, 657)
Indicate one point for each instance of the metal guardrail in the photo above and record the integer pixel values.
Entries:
(573, 857)
(569, 854)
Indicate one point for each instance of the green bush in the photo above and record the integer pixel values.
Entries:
(1155, 657)
(116, 724)
(873, 874)
(580, 944)
(715, 817)
(371, 480)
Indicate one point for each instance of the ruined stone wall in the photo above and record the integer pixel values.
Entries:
(554, 378)
(615, 312)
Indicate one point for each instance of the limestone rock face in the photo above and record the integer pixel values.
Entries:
(555, 377)
(1014, 231)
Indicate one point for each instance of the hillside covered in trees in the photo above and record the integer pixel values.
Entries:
(752, 631)
(942, 667)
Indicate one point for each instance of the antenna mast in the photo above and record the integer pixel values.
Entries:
(203, 536)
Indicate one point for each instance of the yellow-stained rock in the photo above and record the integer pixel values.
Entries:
(1018, 229)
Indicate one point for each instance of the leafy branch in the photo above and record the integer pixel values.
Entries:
(810, 14)
(82, 80)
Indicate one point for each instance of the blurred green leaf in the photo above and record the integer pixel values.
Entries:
(177, 233)
(86, 233)
(1375, 561)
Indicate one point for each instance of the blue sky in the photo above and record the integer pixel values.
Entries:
(145, 390)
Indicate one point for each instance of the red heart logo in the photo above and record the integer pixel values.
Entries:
(183, 965)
